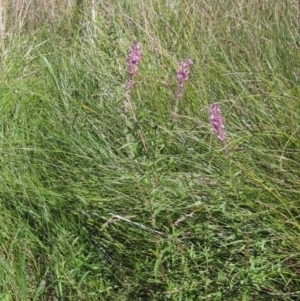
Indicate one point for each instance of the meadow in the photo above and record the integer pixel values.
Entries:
(113, 182)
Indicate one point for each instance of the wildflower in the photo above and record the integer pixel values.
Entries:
(216, 120)
(182, 76)
(133, 59)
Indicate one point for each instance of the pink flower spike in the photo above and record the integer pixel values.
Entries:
(182, 76)
(216, 120)
(183, 72)
(133, 59)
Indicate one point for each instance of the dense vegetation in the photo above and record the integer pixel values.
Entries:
(99, 202)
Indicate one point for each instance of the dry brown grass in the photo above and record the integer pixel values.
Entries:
(32, 14)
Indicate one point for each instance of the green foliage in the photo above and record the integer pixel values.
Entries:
(89, 213)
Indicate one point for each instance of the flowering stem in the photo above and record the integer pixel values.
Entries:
(132, 61)
(216, 120)
(182, 76)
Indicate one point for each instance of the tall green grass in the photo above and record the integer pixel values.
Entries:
(87, 213)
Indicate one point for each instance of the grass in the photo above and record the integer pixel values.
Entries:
(89, 213)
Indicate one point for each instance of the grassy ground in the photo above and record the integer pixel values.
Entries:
(89, 213)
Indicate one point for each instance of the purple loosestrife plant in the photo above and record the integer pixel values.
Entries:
(182, 76)
(132, 61)
(216, 120)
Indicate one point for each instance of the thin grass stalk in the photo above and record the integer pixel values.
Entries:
(2, 19)
(93, 14)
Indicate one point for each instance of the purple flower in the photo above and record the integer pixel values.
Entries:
(182, 76)
(133, 59)
(216, 121)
